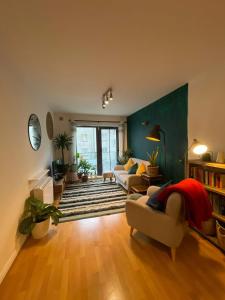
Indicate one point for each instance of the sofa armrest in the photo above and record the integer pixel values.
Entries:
(134, 180)
(118, 167)
(152, 189)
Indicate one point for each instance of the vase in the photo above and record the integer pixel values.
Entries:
(220, 157)
(153, 171)
(41, 229)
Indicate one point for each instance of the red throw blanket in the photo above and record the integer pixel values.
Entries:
(197, 205)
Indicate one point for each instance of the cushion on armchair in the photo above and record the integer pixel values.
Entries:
(153, 199)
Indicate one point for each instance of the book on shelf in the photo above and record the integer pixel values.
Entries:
(207, 177)
(218, 203)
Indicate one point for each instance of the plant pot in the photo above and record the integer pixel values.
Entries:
(153, 171)
(79, 175)
(41, 229)
(84, 178)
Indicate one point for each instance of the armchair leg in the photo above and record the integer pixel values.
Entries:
(173, 253)
(131, 231)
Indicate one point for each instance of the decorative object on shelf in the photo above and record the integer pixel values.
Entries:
(49, 125)
(34, 132)
(153, 169)
(155, 135)
(63, 141)
(107, 97)
(220, 157)
(36, 218)
(207, 157)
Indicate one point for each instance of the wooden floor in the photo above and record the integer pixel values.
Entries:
(96, 259)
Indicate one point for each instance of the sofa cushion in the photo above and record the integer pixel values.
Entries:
(133, 169)
(141, 169)
(129, 164)
(119, 172)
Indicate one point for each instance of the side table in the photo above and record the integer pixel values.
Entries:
(151, 179)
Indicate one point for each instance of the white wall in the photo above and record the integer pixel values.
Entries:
(206, 120)
(62, 124)
(18, 160)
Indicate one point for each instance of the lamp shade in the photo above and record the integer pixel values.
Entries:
(154, 134)
(198, 148)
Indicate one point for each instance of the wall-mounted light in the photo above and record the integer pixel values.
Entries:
(110, 96)
(107, 96)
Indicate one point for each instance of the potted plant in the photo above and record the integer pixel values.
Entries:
(84, 169)
(36, 217)
(153, 168)
(122, 160)
(63, 141)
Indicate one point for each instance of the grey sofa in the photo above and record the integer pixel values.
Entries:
(125, 179)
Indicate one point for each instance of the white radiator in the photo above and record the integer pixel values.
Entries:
(44, 190)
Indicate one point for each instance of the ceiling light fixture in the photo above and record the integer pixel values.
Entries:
(106, 97)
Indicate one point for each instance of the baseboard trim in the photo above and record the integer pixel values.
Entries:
(10, 261)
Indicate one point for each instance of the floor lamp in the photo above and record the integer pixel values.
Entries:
(155, 135)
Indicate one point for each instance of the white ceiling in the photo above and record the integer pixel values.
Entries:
(69, 52)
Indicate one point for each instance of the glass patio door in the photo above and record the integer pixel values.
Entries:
(99, 146)
(109, 147)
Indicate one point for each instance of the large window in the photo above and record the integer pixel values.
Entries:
(99, 146)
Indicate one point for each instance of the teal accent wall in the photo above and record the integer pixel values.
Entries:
(170, 112)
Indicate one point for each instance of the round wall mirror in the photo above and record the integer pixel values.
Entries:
(34, 132)
(49, 125)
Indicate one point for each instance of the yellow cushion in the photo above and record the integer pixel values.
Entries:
(141, 169)
(129, 164)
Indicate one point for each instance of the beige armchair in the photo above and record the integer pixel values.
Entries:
(166, 227)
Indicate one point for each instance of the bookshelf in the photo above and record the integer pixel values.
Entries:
(212, 176)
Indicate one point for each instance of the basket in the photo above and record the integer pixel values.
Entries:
(220, 234)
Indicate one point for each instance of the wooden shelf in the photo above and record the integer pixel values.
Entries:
(215, 190)
(200, 167)
(207, 164)
(218, 217)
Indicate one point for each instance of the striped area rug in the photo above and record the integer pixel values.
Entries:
(92, 199)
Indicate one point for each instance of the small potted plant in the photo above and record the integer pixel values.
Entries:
(36, 217)
(153, 168)
(84, 168)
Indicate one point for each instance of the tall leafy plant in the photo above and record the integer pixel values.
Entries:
(35, 211)
(63, 142)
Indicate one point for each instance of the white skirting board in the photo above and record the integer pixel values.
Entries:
(10, 261)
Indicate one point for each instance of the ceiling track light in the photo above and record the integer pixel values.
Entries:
(107, 97)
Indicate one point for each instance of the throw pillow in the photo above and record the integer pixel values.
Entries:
(128, 164)
(133, 169)
(141, 169)
(153, 199)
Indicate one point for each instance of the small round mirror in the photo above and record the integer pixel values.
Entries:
(49, 125)
(34, 132)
